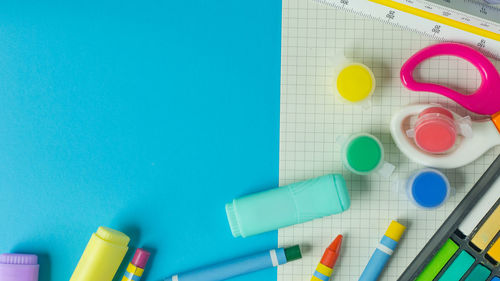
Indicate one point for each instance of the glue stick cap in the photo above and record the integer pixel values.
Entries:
(102, 256)
(18, 267)
(288, 205)
(428, 188)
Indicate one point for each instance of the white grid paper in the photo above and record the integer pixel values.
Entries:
(313, 36)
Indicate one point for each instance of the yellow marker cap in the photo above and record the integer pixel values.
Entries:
(395, 231)
(355, 82)
(102, 256)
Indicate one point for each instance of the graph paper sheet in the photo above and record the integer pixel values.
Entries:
(313, 36)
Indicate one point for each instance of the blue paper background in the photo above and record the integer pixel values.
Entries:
(145, 116)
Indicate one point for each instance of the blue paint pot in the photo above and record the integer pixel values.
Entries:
(428, 188)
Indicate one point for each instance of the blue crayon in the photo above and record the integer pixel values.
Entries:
(240, 266)
(383, 252)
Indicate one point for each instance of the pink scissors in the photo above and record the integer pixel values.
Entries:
(485, 101)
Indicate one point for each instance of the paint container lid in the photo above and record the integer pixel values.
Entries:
(18, 267)
(428, 188)
(363, 154)
(355, 82)
(435, 130)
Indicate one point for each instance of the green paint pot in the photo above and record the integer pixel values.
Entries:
(362, 154)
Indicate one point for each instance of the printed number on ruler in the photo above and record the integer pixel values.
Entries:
(419, 24)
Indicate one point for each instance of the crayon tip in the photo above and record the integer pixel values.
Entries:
(336, 244)
(332, 252)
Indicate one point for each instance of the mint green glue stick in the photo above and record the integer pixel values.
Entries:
(288, 205)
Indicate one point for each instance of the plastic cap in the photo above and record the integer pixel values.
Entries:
(293, 253)
(428, 188)
(18, 267)
(386, 170)
(18, 259)
(435, 130)
(112, 236)
(343, 194)
(233, 220)
(141, 258)
(395, 231)
(355, 82)
(363, 154)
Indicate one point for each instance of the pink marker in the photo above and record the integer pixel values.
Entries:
(18, 267)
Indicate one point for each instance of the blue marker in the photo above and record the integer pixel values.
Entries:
(383, 252)
(240, 266)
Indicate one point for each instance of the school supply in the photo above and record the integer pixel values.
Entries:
(363, 154)
(354, 82)
(18, 267)
(325, 267)
(288, 205)
(240, 266)
(383, 252)
(135, 269)
(483, 136)
(310, 120)
(436, 131)
(102, 256)
(485, 100)
(461, 246)
(464, 21)
(427, 188)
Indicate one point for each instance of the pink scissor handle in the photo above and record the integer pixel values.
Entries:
(486, 100)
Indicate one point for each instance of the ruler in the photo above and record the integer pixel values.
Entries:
(470, 7)
(433, 18)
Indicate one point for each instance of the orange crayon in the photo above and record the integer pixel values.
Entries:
(325, 266)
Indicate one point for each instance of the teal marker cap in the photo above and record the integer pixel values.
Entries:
(288, 205)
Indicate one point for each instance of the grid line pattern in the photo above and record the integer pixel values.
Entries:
(313, 37)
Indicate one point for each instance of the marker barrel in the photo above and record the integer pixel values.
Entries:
(383, 252)
(136, 267)
(235, 267)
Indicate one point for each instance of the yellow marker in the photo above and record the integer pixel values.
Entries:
(494, 251)
(488, 230)
(438, 18)
(355, 82)
(102, 256)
